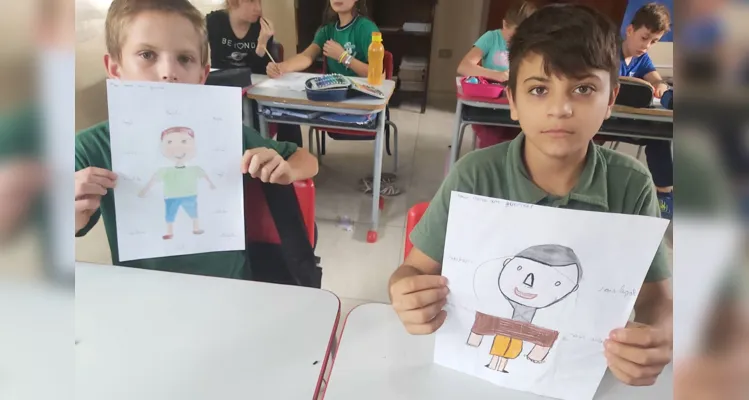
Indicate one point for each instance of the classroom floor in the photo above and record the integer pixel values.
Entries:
(354, 270)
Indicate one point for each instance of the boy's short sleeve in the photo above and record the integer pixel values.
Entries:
(429, 234)
(81, 162)
(659, 268)
(321, 36)
(253, 140)
(646, 66)
(486, 42)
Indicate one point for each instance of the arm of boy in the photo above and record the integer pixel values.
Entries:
(207, 179)
(149, 185)
(659, 85)
(469, 66)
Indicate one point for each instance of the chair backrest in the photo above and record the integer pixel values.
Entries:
(279, 52)
(259, 224)
(387, 65)
(412, 219)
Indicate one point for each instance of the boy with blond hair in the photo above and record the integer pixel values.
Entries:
(166, 41)
(563, 82)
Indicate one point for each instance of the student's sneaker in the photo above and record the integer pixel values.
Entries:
(666, 204)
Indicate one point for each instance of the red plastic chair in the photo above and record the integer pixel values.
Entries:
(259, 224)
(388, 66)
(412, 219)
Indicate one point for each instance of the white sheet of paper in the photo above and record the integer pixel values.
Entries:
(291, 81)
(139, 113)
(613, 251)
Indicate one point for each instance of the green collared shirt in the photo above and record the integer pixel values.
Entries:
(610, 182)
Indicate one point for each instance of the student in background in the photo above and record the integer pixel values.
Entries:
(564, 62)
(648, 25)
(344, 40)
(488, 58)
(166, 41)
(240, 37)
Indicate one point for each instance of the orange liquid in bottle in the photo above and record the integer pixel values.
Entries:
(376, 57)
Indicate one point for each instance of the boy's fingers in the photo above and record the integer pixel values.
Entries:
(417, 283)
(258, 161)
(102, 172)
(429, 327)
(268, 169)
(628, 374)
(280, 171)
(420, 299)
(424, 314)
(87, 203)
(641, 335)
(102, 181)
(639, 355)
(87, 189)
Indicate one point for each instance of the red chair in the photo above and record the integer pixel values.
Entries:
(412, 219)
(259, 224)
(358, 135)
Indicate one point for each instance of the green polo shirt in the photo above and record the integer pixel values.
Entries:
(610, 182)
(92, 149)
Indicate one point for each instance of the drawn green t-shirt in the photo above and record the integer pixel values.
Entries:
(180, 181)
(355, 39)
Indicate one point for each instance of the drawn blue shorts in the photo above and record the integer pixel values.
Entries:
(189, 204)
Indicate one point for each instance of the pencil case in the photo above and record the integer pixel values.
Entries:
(476, 86)
(634, 94)
(327, 88)
(667, 100)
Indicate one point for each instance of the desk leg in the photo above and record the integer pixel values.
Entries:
(263, 126)
(247, 111)
(377, 177)
(456, 134)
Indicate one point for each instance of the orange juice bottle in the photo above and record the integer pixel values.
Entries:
(376, 56)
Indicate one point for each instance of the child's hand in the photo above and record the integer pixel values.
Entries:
(266, 30)
(267, 165)
(418, 300)
(638, 353)
(659, 90)
(333, 50)
(275, 70)
(90, 184)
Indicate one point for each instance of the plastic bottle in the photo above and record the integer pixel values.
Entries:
(376, 57)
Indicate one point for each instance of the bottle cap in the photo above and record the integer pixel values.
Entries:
(376, 37)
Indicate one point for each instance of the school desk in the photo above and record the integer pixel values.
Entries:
(645, 123)
(377, 359)
(152, 335)
(286, 98)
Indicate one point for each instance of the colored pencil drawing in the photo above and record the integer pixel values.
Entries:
(180, 182)
(536, 278)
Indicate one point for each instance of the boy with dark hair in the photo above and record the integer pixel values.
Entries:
(649, 24)
(166, 41)
(563, 78)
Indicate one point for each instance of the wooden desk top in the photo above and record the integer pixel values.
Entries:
(295, 97)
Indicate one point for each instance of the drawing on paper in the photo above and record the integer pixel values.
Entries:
(180, 182)
(536, 278)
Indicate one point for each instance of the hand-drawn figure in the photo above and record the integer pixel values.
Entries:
(180, 181)
(535, 278)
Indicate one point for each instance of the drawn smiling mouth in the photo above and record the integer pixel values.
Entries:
(180, 157)
(524, 295)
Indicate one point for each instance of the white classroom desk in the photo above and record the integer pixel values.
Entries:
(279, 97)
(151, 335)
(377, 359)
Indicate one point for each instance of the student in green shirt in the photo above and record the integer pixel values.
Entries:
(167, 41)
(344, 40)
(564, 62)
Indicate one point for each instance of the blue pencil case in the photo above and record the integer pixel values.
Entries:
(336, 87)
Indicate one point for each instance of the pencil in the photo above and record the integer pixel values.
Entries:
(266, 48)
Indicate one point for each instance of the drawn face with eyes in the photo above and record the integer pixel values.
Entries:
(178, 146)
(535, 284)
